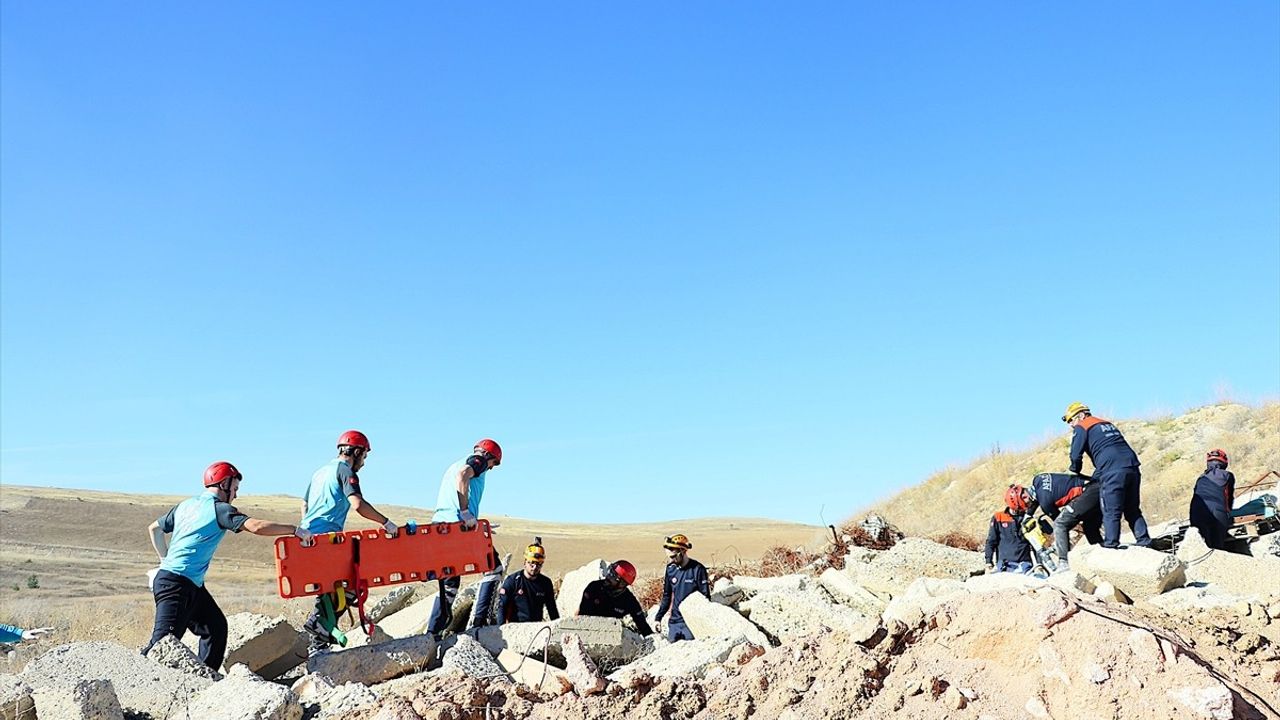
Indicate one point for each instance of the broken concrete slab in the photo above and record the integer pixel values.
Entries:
(16, 702)
(143, 687)
(393, 602)
(469, 656)
(268, 646)
(356, 637)
(1241, 575)
(93, 699)
(1107, 592)
(242, 694)
(725, 592)
(920, 597)
(345, 699)
(575, 581)
(580, 669)
(311, 687)
(708, 619)
(789, 615)
(1072, 581)
(171, 653)
(533, 673)
(607, 640)
(412, 620)
(1135, 571)
(689, 658)
(752, 585)
(896, 568)
(847, 592)
(375, 663)
(1001, 581)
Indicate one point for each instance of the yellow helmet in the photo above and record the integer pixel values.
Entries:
(678, 542)
(535, 553)
(1074, 409)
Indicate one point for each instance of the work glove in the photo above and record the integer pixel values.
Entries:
(34, 633)
(305, 535)
(151, 578)
(390, 527)
(468, 520)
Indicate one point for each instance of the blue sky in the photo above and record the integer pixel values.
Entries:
(679, 259)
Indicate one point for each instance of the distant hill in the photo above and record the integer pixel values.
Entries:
(1171, 450)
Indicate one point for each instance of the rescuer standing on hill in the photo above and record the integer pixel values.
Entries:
(335, 489)
(197, 525)
(459, 501)
(1215, 493)
(1116, 469)
(684, 577)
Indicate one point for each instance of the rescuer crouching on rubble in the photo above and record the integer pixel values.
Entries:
(611, 596)
(526, 594)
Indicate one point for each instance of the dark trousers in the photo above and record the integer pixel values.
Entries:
(181, 605)
(1212, 520)
(677, 631)
(442, 610)
(1122, 496)
(1087, 509)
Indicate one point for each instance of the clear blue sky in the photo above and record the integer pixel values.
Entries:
(679, 259)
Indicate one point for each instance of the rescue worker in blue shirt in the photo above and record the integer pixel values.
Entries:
(1069, 499)
(335, 489)
(1005, 540)
(685, 576)
(526, 594)
(1115, 468)
(198, 525)
(1215, 493)
(461, 489)
(11, 634)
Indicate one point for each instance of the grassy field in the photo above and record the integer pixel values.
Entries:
(1170, 448)
(88, 554)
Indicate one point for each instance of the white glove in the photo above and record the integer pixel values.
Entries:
(34, 633)
(390, 527)
(151, 578)
(305, 535)
(468, 520)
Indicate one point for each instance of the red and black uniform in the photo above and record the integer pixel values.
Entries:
(1215, 493)
(523, 598)
(1116, 469)
(1070, 500)
(601, 599)
(1005, 540)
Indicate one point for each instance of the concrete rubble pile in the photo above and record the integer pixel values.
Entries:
(916, 630)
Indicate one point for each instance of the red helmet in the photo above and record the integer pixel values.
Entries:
(220, 472)
(1216, 454)
(354, 438)
(624, 571)
(1016, 498)
(491, 447)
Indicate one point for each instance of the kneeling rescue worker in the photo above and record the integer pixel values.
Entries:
(197, 525)
(611, 596)
(1005, 539)
(1070, 500)
(525, 594)
(1215, 493)
(684, 577)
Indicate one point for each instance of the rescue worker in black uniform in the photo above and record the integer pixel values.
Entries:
(1215, 493)
(1115, 469)
(1070, 500)
(1005, 539)
(611, 597)
(525, 594)
(684, 577)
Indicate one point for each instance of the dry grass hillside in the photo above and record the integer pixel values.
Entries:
(1171, 450)
(87, 552)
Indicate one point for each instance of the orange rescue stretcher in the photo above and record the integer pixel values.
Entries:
(357, 560)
